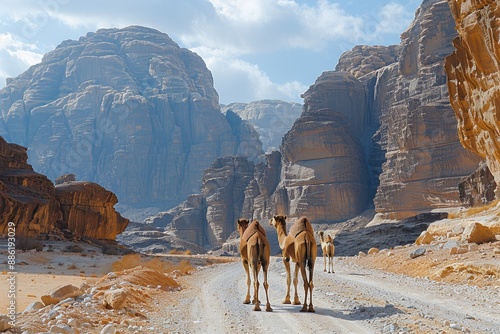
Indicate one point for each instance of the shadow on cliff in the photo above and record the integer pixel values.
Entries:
(349, 242)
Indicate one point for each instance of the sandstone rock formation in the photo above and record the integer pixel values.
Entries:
(31, 202)
(473, 71)
(27, 198)
(478, 188)
(324, 171)
(424, 158)
(88, 210)
(126, 108)
(271, 118)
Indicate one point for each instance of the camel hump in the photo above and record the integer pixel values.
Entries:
(302, 224)
(253, 228)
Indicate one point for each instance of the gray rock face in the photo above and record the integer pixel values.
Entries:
(126, 108)
(324, 171)
(418, 131)
(271, 118)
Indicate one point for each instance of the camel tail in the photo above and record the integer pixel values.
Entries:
(307, 238)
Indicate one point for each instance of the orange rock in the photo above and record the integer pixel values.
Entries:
(477, 233)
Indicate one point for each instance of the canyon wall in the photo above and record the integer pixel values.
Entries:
(425, 160)
(473, 71)
(126, 108)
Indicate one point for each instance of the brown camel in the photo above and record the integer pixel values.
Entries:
(328, 250)
(255, 253)
(300, 247)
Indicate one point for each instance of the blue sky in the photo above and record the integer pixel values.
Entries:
(256, 49)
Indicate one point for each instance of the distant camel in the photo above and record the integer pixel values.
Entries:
(255, 252)
(328, 250)
(300, 247)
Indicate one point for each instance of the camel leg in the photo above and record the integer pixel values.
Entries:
(266, 287)
(255, 273)
(311, 286)
(306, 286)
(296, 300)
(286, 262)
(324, 261)
(247, 298)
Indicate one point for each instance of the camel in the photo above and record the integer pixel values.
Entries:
(300, 247)
(255, 252)
(328, 250)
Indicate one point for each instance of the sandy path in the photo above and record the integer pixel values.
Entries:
(353, 300)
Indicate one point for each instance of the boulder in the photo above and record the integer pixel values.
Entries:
(115, 299)
(477, 233)
(424, 239)
(88, 210)
(58, 294)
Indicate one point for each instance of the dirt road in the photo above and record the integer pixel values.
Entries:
(353, 300)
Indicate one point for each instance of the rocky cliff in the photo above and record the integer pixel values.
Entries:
(27, 198)
(473, 71)
(424, 158)
(379, 129)
(324, 170)
(126, 108)
(271, 118)
(36, 207)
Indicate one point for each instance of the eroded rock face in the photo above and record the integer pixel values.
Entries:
(324, 172)
(478, 188)
(88, 210)
(424, 158)
(271, 118)
(27, 198)
(35, 206)
(473, 71)
(126, 108)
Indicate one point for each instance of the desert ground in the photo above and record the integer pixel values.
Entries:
(386, 291)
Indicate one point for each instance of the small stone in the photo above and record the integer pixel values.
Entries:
(108, 329)
(373, 250)
(417, 252)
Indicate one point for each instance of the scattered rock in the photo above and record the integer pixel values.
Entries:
(425, 238)
(61, 293)
(65, 329)
(417, 252)
(459, 250)
(451, 244)
(373, 250)
(361, 254)
(108, 329)
(115, 299)
(477, 233)
(34, 306)
(4, 323)
(473, 247)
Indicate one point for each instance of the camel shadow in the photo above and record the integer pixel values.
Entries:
(359, 312)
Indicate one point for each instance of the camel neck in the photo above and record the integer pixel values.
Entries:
(281, 236)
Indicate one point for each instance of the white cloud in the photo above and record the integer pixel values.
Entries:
(242, 81)
(394, 18)
(16, 56)
(241, 10)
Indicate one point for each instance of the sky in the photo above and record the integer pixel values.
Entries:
(255, 49)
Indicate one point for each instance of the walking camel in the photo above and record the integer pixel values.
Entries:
(328, 250)
(299, 246)
(255, 253)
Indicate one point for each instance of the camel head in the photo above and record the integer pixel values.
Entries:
(278, 220)
(242, 225)
(321, 233)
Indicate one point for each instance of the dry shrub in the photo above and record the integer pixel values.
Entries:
(133, 260)
(478, 209)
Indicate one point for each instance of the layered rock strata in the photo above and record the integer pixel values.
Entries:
(473, 71)
(324, 174)
(424, 158)
(27, 199)
(126, 108)
(32, 203)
